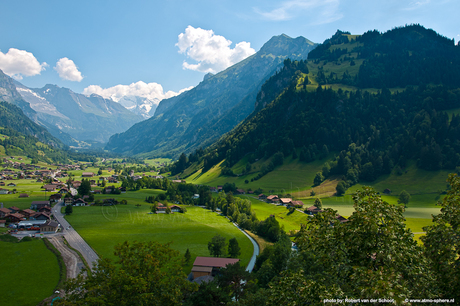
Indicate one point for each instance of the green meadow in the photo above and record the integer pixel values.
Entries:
(30, 272)
(103, 227)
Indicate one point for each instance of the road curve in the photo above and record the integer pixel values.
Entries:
(252, 262)
(74, 239)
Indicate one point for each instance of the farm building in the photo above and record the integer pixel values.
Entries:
(49, 228)
(31, 223)
(204, 266)
(39, 204)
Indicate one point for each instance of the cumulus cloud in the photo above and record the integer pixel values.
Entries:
(152, 91)
(18, 63)
(67, 70)
(321, 11)
(211, 52)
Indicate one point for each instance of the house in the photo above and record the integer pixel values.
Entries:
(341, 219)
(285, 201)
(23, 195)
(240, 191)
(45, 209)
(64, 190)
(68, 201)
(313, 210)
(55, 197)
(49, 228)
(11, 185)
(175, 208)
(2, 223)
(14, 209)
(28, 212)
(213, 189)
(220, 188)
(2, 183)
(79, 202)
(122, 189)
(4, 191)
(50, 187)
(15, 217)
(297, 204)
(87, 174)
(4, 212)
(204, 266)
(161, 209)
(273, 199)
(39, 204)
(40, 216)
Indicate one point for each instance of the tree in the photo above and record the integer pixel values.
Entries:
(68, 209)
(319, 178)
(318, 203)
(341, 188)
(187, 256)
(145, 273)
(233, 248)
(442, 243)
(216, 246)
(404, 198)
(84, 188)
(235, 280)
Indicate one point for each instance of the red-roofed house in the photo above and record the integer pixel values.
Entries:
(210, 265)
(285, 201)
(273, 199)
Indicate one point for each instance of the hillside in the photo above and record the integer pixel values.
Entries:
(374, 125)
(20, 136)
(200, 116)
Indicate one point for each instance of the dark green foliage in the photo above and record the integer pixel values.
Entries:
(318, 203)
(208, 294)
(319, 178)
(217, 245)
(84, 188)
(68, 209)
(233, 248)
(404, 198)
(269, 229)
(341, 188)
(187, 256)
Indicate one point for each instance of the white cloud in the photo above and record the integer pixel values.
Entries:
(67, 70)
(211, 52)
(321, 11)
(152, 91)
(18, 63)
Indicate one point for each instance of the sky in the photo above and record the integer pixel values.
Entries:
(157, 49)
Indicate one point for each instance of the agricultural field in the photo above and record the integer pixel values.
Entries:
(31, 275)
(105, 226)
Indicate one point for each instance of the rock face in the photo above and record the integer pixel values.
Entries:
(65, 113)
(201, 115)
(141, 106)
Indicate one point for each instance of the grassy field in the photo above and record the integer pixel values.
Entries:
(30, 272)
(105, 226)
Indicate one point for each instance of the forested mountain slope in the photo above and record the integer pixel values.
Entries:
(374, 122)
(199, 116)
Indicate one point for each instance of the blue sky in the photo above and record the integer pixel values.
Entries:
(151, 47)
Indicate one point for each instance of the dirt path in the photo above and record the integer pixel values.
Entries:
(71, 259)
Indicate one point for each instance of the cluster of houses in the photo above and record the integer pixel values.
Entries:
(37, 218)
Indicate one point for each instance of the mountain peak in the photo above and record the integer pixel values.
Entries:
(278, 45)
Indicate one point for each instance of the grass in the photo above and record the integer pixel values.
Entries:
(30, 272)
(105, 226)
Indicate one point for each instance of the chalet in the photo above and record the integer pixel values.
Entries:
(297, 204)
(109, 189)
(122, 189)
(210, 266)
(40, 216)
(240, 191)
(219, 188)
(50, 187)
(45, 209)
(28, 212)
(112, 180)
(14, 209)
(2, 223)
(273, 199)
(175, 208)
(4, 191)
(79, 202)
(39, 204)
(213, 189)
(87, 174)
(49, 228)
(285, 201)
(313, 210)
(387, 191)
(15, 217)
(55, 197)
(177, 181)
(161, 209)
(68, 201)
(2, 183)
(23, 195)
(11, 185)
(4, 212)
(64, 190)
(262, 196)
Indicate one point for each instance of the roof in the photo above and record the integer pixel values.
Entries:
(41, 202)
(50, 223)
(14, 208)
(201, 269)
(297, 203)
(5, 210)
(286, 200)
(214, 261)
(270, 197)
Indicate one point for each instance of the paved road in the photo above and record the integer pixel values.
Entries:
(74, 239)
(252, 262)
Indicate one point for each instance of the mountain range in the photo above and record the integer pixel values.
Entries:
(203, 114)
